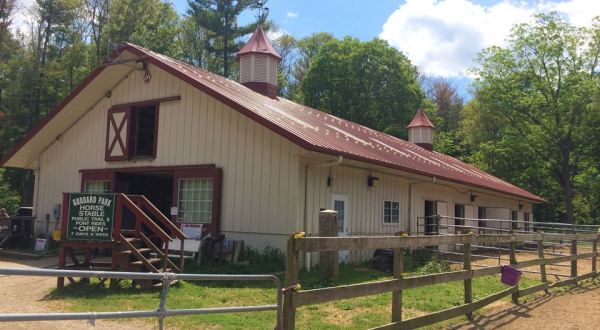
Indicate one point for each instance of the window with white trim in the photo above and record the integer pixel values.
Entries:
(391, 212)
(96, 187)
(195, 200)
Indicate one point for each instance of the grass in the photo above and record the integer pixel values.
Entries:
(356, 313)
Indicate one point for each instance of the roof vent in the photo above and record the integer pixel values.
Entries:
(420, 131)
(258, 64)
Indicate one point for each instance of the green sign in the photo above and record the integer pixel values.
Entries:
(90, 217)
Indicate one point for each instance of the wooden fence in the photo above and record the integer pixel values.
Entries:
(294, 298)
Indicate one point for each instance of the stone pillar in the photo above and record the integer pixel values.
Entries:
(329, 261)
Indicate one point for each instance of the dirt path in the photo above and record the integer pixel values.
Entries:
(22, 294)
(575, 308)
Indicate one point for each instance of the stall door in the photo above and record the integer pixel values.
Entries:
(429, 223)
(339, 203)
(520, 217)
(498, 213)
(469, 214)
(442, 210)
(459, 221)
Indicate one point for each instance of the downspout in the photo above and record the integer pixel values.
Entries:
(305, 225)
(36, 208)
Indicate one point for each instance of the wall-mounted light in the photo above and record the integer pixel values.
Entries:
(147, 73)
(473, 197)
(520, 206)
(372, 181)
(329, 181)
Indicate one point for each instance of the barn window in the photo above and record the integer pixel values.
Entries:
(391, 212)
(131, 132)
(195, 200)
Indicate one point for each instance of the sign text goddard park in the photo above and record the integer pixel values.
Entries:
(90, 217)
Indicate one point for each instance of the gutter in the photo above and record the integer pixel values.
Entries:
(305, 224)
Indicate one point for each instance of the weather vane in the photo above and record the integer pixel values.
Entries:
(263, 11)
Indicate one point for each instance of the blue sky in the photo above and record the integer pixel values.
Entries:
(441, 37)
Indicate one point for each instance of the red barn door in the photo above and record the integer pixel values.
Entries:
(117, 134)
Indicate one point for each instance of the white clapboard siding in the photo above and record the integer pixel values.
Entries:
(258, 165)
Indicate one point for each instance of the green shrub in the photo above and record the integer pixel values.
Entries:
(434, 266)
(269, 260)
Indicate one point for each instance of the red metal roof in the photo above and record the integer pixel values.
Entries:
(315, 130)
(420, 120)
(258, 44)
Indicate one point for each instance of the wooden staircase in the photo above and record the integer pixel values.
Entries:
(145, 247)
(141, 245)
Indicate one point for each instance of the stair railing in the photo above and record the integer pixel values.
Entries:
(174, 231)
(141, 218)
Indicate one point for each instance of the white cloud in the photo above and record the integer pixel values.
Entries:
(443, 36)
(292, 14)
(276, 34)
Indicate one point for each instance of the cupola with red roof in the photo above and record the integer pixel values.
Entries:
(258, 64)
(420, 131)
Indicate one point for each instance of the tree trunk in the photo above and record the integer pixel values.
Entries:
(566, 183)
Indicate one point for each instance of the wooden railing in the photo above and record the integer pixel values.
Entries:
(295, 298)
(174, 232)
(137, 205)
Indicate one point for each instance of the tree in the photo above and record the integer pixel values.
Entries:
(153, 24)
(542, 86)
(219, 20)
(7, 8)
(369, 83)
(193, 41)
(307, 49)
(447, 101)
(287, 47)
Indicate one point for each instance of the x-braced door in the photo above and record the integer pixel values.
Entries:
(117, 141)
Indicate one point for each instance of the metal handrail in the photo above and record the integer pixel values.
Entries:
(511, 221)
(161, 313)
(530, 226)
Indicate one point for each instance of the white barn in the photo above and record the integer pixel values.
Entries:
(243, 161)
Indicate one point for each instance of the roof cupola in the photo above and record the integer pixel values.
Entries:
(258, 64)
(420, 131)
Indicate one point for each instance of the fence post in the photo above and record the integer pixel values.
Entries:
(397, 295)
(468, 282)
(513, 261)
(595, 251)
(574, 262)
(291, 279)
(329, 260)
(543, 262)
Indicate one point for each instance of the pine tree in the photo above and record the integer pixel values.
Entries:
(219, 20)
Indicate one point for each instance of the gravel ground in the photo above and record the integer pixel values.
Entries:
(25, 294)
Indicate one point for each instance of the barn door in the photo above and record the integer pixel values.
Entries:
(469, 214)
(339, 203)
(117, 141)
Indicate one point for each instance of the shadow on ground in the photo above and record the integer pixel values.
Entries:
(502, 318)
